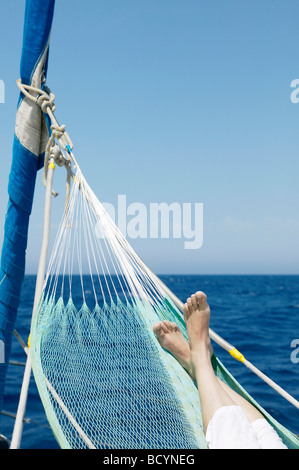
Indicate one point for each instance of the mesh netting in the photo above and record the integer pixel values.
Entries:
(120, 387)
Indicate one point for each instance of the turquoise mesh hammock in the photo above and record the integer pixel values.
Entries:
(104, 380)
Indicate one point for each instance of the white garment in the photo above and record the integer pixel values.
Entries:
(230, 429)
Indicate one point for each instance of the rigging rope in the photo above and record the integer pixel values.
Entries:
(60, 153)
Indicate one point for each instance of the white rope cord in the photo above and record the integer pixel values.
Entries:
(112, 234)
(115, 263)
(90, 214)
(79, 248)
(67, 247)
(102, 216)
(92, 241)
(46, 102)
(72, 250)
(87, 244)
(94, 248)
(56, 258)
(61, 152)
(120, 263)
(101, 220)
(70, 417)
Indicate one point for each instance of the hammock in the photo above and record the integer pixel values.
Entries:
(104, 380)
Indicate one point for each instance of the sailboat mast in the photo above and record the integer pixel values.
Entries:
(30, 138)
(18, 428)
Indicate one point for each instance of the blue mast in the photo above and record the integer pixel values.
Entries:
(31, 136)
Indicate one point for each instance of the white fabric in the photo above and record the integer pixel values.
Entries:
(230, 429)
(31, 127)
(266, 435)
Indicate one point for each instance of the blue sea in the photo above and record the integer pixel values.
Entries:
(259, 315)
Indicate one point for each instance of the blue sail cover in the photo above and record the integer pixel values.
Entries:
(31, 136)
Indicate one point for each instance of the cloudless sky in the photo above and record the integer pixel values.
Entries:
(175, 101)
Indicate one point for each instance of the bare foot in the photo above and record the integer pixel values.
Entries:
(172, 339)
(197, 318)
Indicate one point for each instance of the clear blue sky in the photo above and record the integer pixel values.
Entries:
(176, 101)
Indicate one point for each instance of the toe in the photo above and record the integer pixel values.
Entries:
(185, 309)
(194, 301)
(168, 325)
(173, 326)
(164, 327)
(157, 327)
(200, 297)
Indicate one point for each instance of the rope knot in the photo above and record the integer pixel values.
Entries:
(57, 131)
(46, 101)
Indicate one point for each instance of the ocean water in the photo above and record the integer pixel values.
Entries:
(259, 315)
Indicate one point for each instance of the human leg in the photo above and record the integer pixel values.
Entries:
(214, 393)
(229, 420)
